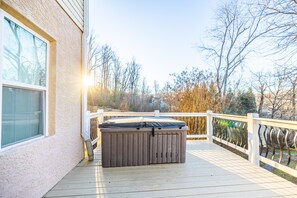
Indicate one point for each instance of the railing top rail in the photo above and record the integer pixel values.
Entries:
(265, 121)
(187, 114)
(94, 115)
(231, 117)
(288, 124)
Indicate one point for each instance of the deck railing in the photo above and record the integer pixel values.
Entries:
(249, 134)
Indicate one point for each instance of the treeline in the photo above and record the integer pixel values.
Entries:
(115, 85)
(276, 92)
(196, 91)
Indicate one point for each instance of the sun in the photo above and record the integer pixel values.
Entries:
(88, 81)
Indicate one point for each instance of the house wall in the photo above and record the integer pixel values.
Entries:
(33, 168)
(75, 9)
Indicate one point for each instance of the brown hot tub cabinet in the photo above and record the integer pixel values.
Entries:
(143, 141)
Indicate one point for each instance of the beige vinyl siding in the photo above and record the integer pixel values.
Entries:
(75, 10)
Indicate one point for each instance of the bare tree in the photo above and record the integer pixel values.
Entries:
(145, 96)
(93, 52)
(124, 79)
(93, 57)
(289, 72)
(260, 85)
(100, 61)
(293, 82)
(133, 76)
(238, 27)
(169, 96)
(282, 16)
(129, 85)
(106, 61)
(278, 92)
(156, 87)
(117, 69)
(116, 78)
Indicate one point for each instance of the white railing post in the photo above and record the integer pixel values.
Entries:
(253, 140)
(157, 113)
(209, 127)
(100, 115)
(86, 126)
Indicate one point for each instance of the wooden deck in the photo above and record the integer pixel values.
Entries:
(209, 171)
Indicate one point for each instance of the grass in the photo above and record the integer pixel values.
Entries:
(284, 161)
(279, 173)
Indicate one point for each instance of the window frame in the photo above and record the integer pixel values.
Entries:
(20, 85)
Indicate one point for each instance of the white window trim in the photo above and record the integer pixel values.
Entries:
(23, 85)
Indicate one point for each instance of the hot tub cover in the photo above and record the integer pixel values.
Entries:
(142, 122)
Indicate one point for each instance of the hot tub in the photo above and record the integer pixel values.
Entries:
(139, 141)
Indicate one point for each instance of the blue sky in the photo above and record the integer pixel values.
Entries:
(162, 35)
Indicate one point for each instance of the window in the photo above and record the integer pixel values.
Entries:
(24, 75)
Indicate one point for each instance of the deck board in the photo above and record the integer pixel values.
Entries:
(209, 171)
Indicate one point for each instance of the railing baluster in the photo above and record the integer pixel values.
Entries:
(288, 147)
(272, 142)
(260, 139)
(265, 139)
(280, 145)
(268, 140)
(295, 144)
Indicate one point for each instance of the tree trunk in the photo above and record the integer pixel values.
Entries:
(261, 103)
(294, 99)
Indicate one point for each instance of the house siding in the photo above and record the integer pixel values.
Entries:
(33, 168)
(75, 9)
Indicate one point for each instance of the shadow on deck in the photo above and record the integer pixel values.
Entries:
(209, 171)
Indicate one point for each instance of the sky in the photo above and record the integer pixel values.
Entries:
(162, 35)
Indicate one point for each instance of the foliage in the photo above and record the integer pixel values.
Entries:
(246, 102)
(241, 104)
(195, 91)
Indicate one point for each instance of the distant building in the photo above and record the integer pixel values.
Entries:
(283, 106)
